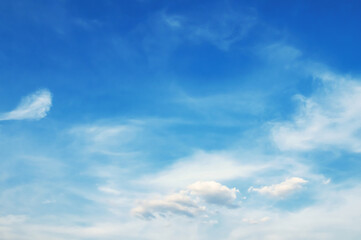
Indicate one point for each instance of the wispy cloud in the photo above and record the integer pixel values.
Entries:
(222, 30)
(164, 31)
(329, 117)
(107, 139)
(280, 53)
(202, 166)
(34, 106)
(220, 107)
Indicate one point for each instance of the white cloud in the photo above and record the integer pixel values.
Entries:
(178, 203)
(328, 118)
(279, 190)
(34, 106)
(336, 215)
(203, 166)
(188, 202)
(214, 192)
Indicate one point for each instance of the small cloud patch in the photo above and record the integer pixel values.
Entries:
(189, 202)
(35, 106)
(214, 193)
(282, 189)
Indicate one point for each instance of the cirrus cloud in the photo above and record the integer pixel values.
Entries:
(34, 106)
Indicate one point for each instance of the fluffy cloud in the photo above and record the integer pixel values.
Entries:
(187, 202)
(281, 189)
(34, 106)
(215, 193)
(330, 117)
(179, 203)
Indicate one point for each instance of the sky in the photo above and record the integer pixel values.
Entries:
(199, 120)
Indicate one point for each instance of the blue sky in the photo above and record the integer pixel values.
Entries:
(180, 120)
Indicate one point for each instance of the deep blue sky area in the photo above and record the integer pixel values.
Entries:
(115, 46)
